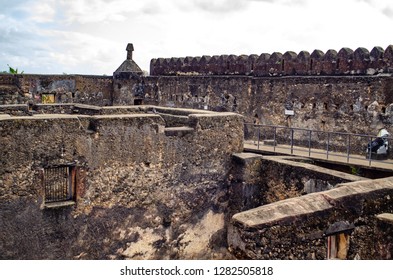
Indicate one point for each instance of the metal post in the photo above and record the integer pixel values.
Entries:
(348, 146)
(291, 141)
(369, 155)
(309, 143)
(274, 139)
(327, 147)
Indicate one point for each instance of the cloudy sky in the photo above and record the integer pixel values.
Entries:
(90, 36)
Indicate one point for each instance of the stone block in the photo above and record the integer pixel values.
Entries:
(178, 131)
(316, 62)
(204, 64)
(388, 59)
(173, 66)
(231, 65)
(158, 67)
(153, 66)
(242, 66)
(252, 59)
(361, 61)
(329, 63)
(214, 67)
(260, 68)
(222, 65)
(344, 61)
(376, 59)
(302, 63)
(196, 65)
(187, 67)
(288, 63)
(274, 65)
(179, 64)
(385, 217)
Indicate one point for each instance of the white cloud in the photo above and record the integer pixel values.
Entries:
(90, 36)
(384, 6)
(388, 11)
(75, 51)
(41, 12)
(220, 6)
(86, 11)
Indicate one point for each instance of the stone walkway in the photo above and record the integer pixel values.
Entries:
(339, 158)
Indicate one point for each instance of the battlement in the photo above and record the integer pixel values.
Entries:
(344, 62)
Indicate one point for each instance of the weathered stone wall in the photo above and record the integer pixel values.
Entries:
(297, 228)
(345, 62)
(348, 104)
(128, 89)
(357, 104)
(336, 91)
(23, 88)
(259, 180)
(353, 104)
(144, 191)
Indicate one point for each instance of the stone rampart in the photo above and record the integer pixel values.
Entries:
(320, 101)
(354, 104)
(344, 62)
(24, 88)
(339, 223)
(142, 190)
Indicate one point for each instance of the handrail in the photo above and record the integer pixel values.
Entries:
(313, 130)
(329, 136)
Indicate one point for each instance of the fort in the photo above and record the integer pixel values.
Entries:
(135, 166)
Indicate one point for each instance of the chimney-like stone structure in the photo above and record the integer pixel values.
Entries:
(128, 85)
(129, 49)
(128, 67)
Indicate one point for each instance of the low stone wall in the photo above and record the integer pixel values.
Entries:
(29, 88)
(259, 180)
(140, 193)
(299, 227)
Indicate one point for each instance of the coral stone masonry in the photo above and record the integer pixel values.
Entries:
(133, 166)
(138, 191)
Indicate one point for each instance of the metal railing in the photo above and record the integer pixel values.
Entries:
(329, 143)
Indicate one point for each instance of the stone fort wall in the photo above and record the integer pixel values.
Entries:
(300, 227)
(344, 62)
(162, 183)
(358, 104)
(165, 179)
(30, 88)
(347, 91)
(150, 182)
(284, 207)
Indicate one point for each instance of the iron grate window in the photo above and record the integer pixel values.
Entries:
(59, 183)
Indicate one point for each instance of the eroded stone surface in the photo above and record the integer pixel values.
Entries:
(140, 194)
(297, 228)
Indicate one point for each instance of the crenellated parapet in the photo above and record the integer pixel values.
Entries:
(344, 62)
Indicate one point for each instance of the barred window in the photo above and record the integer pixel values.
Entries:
(59, 185)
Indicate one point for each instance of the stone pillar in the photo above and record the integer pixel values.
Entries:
(245, 188)
(129, 49)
